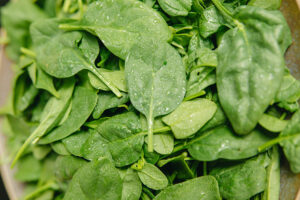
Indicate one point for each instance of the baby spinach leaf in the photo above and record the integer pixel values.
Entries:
(146, 71)
(59, 148)
(218, 119)
(222, 142)
(244, 180)
(200, 78)
(58, 52)
(41, 80)
(16, 19)
(290, 140)
(107, 101)
(117, 78)
(247, 79)
(273, 176)
(41, 151)
(29, 169)
(202, 57)
(74, 142)
(289, 90)
(163, 143)
(95, 147)
(189, 117)
(96, 180)
(272, 123)
(109, 21)
(152, 177)
(124, 144)
(83, 103)
(210, 21)
(28, 98)
(205, 187)
(53, 112)
(176, 7)
(67, 166)
(132, 186)
(266, 4)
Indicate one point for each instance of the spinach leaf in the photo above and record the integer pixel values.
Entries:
(95, 180)
(107, 101)
(59, 148)
(132, 186)
(29, 169)
(67, 166)
(205, 187)
(109, 20)
(222, 142)
(120, 132)
(267, 4)
(156, 81)
(189, 117)
(176, 8)
(163, 143)
(273, 176)
(152, 177)
(16, 19)
(247, 79)
(83, 103)
(289, 90)
(272, 123)
(75, 142)
(244, 180)
(51, 115)
(58, 52)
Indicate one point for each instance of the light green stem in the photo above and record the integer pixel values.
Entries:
(277, 140)
(28, 52)
(50, 185)
(150, 134)
(223, 10)
(66, 6)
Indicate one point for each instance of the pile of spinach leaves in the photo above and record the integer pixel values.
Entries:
(141, 100)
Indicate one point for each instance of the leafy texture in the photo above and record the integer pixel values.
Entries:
(222, 142)
(205, 187)
(155, 80)
(247, 79)
(272, 123)
(152, 177)
(242, 181)
(189, 117)
(116, 24)
(176, 8)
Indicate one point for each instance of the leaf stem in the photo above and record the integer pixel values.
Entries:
(66, 5)
(50, 185)
(276, 141)
(223, 10)
(28, 52)
(150, 134)
(106, 82)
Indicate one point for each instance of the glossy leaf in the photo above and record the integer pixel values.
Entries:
(222, 142)
(176, 7)
(152, 177)
(132, 186)
(83, 104)
(189, 117)
(272, 123)
(247, 79)
(146, 71)
(205, 187)
(74, 142)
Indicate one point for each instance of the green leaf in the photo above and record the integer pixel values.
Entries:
(59, 148)
(163, 143)
(16, 19)
(222, 142)
(124, 142)
(247, 79)
(156, 81)
(289, 90)
(83, 104)
(273, 176)
(29, 169)
(243, 180)
(266, 4)
(59, 53)
(96, 180)
(52, 113)
(189, 117)
(107, 101)
(66, 166)
(109, 21)
(176, 7)
(272, 123)
(75, 142)
(152, 177)
(205, 187)
(132, 186)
